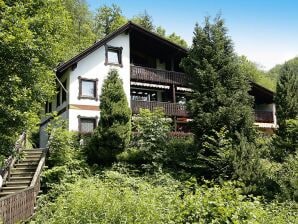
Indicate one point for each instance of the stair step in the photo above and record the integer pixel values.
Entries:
(23, 169)
(22, 174)
(28, 165)
(25, 178)
(29, 152)
(18, 183)
(13, 188)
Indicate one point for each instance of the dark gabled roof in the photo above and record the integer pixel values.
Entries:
(127, 27)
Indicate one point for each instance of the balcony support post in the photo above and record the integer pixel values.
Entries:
(175, 123)
(174, 93)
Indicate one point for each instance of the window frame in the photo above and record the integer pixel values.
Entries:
(95, 94)
(48, 107)
(118, 50)
(80, 118)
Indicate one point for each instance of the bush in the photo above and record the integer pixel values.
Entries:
(119, 198)
(66, 162)
(152, 135)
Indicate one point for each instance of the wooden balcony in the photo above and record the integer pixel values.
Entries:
(170, 109)
(264, 116)
(138, 73)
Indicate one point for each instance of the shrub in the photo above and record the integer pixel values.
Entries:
(119, 198)
(114, 129)
(152, 134)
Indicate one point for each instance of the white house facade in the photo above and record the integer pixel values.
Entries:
(149, 68)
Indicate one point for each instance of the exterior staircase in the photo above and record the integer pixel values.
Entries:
(21, 182)
(21, 174)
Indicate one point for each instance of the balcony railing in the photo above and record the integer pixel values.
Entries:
(264, 116)
(176, 109)
(139, 73)
(170, 109)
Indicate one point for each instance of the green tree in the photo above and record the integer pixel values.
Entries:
(81, 34)
(33, 34)
(177, 39)
(108, 19)
(256, 75)
(152, 135)
(144, 20)
(220, 98)
(112, 135)
(287, 93)
(160, 31)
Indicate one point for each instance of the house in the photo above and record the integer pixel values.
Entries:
(149, 68)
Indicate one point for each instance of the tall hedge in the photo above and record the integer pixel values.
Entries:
(114, 129)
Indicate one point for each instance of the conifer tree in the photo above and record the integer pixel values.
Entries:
(220, 98)
(286, 100)
(287, 93)
(114, 129)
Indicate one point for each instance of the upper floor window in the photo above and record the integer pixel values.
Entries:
(113, 55)
(88, 88)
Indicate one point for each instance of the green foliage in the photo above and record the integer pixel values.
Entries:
(144, 20)
(112, 135)
(80, 33)
(287, 94)
(177, 39)
(287, 178)
(108, 19)
(65, 160)
(220, 98)
(215, 157)
(286, 140)
(119, 198)
(256, 75)
(32, 36)
(152, 134)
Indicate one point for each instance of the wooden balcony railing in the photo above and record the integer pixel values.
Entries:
(170, 109)
(264, 116)
(139, 73)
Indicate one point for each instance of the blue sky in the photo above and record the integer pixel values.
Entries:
(266, 31)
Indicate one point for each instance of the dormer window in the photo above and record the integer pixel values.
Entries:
(113, 55)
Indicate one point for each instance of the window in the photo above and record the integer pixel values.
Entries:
(48, 107)
(87, 124)
(88, 88)
(61, 93)
(113, 55)
(143, 95)
(64, 92)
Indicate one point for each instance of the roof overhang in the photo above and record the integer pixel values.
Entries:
(128, 27)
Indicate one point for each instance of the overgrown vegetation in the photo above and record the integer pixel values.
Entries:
(115, 197)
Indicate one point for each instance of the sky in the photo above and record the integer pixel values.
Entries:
(265, 31)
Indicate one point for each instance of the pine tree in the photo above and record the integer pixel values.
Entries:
(114, 129)
(220, 98)
(144, 20)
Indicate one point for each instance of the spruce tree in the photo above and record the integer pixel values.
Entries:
(286, 98)
(114, 129)
(220, 98)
